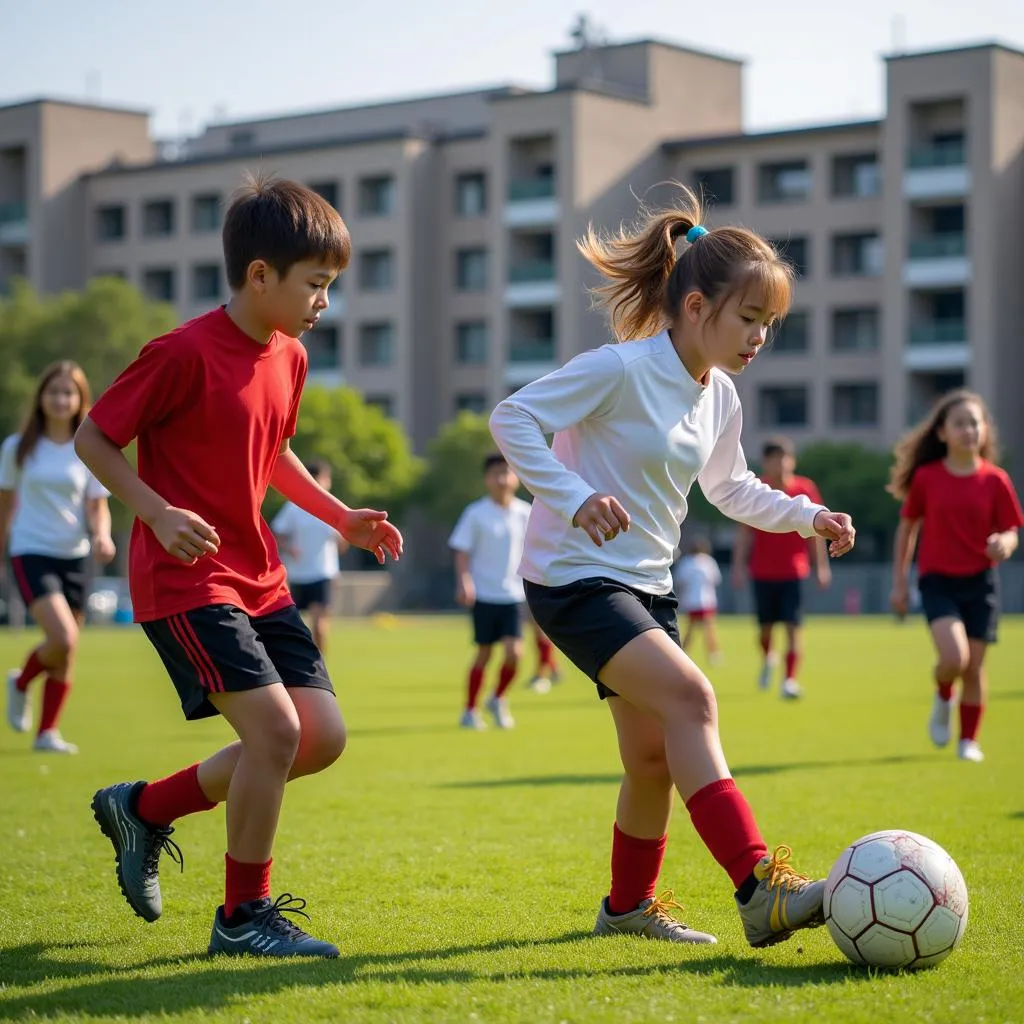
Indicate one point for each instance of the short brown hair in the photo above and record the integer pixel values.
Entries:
(283, 223)
(647, 281)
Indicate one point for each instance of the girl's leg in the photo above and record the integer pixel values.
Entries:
(972, 700)
(711, 640)
(951, 646)
(794, 651)
(56, 654)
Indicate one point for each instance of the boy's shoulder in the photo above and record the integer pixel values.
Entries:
(192, 336)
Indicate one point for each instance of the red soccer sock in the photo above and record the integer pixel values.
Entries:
(166, 800)
(792, 663)
(244, 882)
(55, 693)
(545, 653)
(970, 719)
(33, 666)
(476, 681)
(724, 821)
(945, 691)
(636, 864)
(766, 646)
(505, 677)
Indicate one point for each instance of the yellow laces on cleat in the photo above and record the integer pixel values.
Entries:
(662, 904)
(780, 872)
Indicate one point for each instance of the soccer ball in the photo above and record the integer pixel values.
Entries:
(895, 899)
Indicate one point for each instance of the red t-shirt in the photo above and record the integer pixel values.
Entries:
(783, 556)
(210, 408)
(959, 514)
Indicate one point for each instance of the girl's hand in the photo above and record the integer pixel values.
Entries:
(103, 548)
(837, 529)
(602, 517)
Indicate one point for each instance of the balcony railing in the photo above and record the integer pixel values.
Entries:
(531, 188)
(536, 351)
(530, 271)
(939, 332)
(13, 213)
(941, 154)
(948, 245)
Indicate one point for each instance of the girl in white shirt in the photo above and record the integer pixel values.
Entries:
(50, 507)
(697, 577)
(635, 424)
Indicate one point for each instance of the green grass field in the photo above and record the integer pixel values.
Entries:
(460, 873)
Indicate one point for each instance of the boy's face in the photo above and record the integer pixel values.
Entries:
(292, 304)
(779, 465)
(500, 482)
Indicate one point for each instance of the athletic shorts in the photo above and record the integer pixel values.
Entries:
(701, 614)
(493, 622)
(40, 575)
(592, 619)
(778, 601)
(307, 594)
(974, 600)
(218, 648)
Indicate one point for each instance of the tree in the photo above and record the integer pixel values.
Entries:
(454, 468)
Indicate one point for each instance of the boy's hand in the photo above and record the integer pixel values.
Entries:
(370, 530)
(602, 517)
(184, 535)
(837, 529)
(465, 592)
(103, 548)
(997, 547)
(823, 574)
(899, 599)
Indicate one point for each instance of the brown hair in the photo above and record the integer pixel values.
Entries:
(922, 444)
(283, 223)
(700, 545)
(34, 426)
(647, 281)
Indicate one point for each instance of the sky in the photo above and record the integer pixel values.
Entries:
(193, 62)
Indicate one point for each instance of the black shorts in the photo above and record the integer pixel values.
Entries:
(40, 575)
(306, 594)
(220, 649)
(778, 601)
(493, 622)
(974, 600)
(591, 620)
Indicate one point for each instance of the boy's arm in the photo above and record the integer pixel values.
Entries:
(465, 592)
(364, 527)
(182, 534)
(819, 559)
(740, 554)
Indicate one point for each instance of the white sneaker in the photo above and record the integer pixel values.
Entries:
(716, 659)
(771, 662)
(471, 720)
(791, 690)
(51, 742)
(938, 724)
(19, 711)
(539, 684)
(652, 920)
(498, 707)
(970, 751)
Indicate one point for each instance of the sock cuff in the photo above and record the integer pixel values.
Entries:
(712, 789)
(649, 844)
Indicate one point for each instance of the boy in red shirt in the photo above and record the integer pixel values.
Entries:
(212, 405)
(778, 563)
(967, 515)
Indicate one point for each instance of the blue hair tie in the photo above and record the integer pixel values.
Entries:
(697, 231)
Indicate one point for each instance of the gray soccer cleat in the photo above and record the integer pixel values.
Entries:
(263, 930)
(137, 847)
(652, 920)
(782, 902)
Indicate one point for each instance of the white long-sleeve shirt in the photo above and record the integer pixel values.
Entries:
(630, 421)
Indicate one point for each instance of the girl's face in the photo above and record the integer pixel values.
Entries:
(963, 431)
(732, 338)
(60, 399)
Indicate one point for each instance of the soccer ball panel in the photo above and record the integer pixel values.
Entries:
(851, 906)
(884, 855)
(834, 877)
(940, 932)
(902, 901)
(846, 945)
(882, 947)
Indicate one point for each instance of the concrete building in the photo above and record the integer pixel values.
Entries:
(464, 208)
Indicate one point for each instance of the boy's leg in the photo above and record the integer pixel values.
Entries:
(318, 624)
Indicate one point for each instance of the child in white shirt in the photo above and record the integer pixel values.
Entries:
(696, 576)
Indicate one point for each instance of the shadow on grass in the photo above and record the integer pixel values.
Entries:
(739, 772)
(132, 993)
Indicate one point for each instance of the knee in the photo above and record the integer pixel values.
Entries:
(65, 642)
(320, 751)
(694, 703)
(648, 768)
(952, 664)
(279, 741)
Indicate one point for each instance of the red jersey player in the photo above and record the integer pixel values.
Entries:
(212, 405)
(967, 514)
(778, 563)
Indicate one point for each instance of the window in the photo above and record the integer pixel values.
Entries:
(782, 406)
(784, 182)
(327, 189)
(377, 196)
(110, 223)
(205, 213)
(242, 139)
(794, 334)
(158, 283)
(471, 343)
(796, 252)
(385, 403)
(857, 176)
(323, 346)
(855, 405)
(376, 342)
(471, 195)
(158, 218)
(857, 255)
(471, 270)
(715, 185)
(471, 401)
(376, 270)
(206, 281)
(855, 330)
